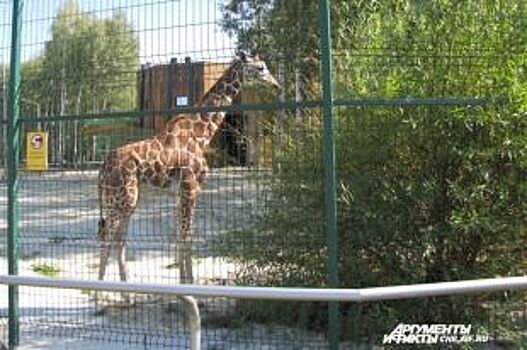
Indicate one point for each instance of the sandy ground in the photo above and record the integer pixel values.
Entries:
(59, 215)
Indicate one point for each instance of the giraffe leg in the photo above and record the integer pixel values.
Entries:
(113, 232)
(190, 189)
(105, 236)
(187, 203)
(120, 247)
(105, 251)
(123, 270)
(121, 261)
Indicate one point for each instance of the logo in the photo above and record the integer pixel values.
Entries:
(406, 333)
(36, 141)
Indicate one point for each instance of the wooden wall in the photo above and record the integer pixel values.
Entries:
(160, 86)
(166, 86)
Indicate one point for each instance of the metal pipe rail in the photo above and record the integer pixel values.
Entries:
(188, 292)
(281, 293)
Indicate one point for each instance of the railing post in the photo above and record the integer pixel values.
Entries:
(329, 166)
(13, 150)
(193, 321)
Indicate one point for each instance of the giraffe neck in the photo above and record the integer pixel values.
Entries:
(221, 94)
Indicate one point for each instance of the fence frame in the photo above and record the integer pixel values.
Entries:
(13, 150)
(188, 293)
(332, 295)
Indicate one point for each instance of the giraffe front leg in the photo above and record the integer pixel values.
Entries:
(187, 204)
(105, 250)
(191, 181)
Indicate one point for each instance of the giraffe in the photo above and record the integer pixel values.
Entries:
(174, 153)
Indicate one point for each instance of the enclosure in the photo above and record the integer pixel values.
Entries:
(393, 151)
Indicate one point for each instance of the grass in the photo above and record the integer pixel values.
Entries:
(46, 269)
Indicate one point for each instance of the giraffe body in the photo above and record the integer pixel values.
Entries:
(176, 153)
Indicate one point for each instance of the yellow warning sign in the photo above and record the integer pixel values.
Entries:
(37, 150)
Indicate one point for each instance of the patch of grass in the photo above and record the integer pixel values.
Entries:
(46, 269)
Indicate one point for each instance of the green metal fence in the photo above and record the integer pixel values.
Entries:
(393, 152)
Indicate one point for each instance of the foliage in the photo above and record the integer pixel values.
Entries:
(88, 65)
(426, 193)
(46, 269)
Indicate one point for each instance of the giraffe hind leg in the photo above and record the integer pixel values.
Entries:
(121, 262)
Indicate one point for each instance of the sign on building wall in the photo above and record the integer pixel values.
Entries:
(37, 151)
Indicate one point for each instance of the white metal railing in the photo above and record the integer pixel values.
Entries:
(188, 292)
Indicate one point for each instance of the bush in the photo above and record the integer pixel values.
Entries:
(426, 193)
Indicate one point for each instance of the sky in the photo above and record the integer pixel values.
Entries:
(166, 28)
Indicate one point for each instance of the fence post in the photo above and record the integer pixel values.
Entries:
(329, 166)
(13, 144)
(193, 321)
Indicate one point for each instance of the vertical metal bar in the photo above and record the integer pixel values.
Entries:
(3, 120)
(190, 80)
(193, 321)
(329, 165)
(13, 144)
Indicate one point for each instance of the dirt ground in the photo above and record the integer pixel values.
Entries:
(58, 223)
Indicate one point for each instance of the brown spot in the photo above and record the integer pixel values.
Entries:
(185, 132)
(158, 167)
(148, 172)
(129, 164)
(189, 184)
(212, 128)
(192, 147)
(114, 178)
(156, 145)
(220, 89)
(185, 124)
(170, 141)
(172, 125)
(183, 139)
(143, 149)
(185, 173)
(152, 154)
(229, 90)
(199, 128)
(196, 166)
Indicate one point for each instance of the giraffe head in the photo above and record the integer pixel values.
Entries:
(255, 69)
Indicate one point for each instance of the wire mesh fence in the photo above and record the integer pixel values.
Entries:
(429, 115)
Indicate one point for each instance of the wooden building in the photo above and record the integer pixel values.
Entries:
(175, 84)
(167, 86)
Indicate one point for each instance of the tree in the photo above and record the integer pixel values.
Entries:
(89, 66)
(427, 193)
